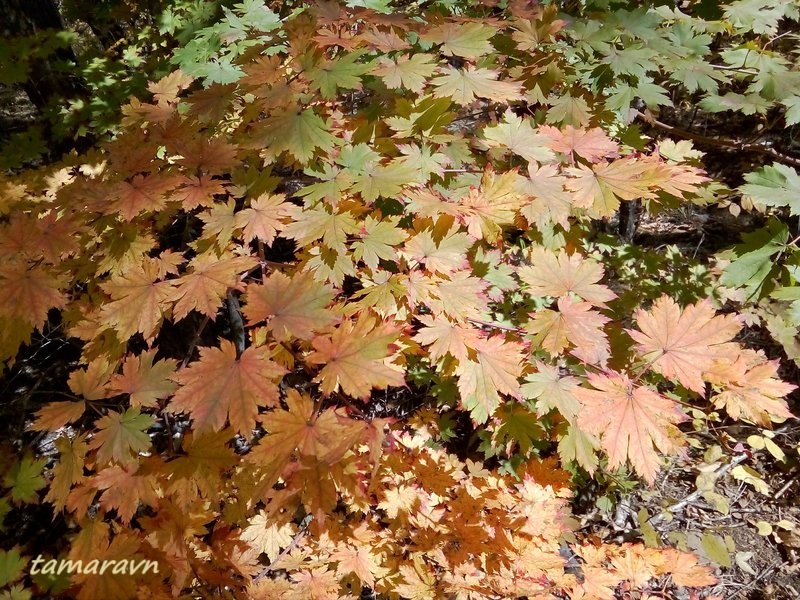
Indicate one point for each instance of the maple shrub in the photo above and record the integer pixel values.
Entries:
(298, 291)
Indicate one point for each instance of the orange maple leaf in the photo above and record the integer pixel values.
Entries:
(356, 356)
(557, 275)
(591, 144)
(219, 386)
(138, 301)
(495, 370)
(208, 283)
(575, 323)
(124, 489)
(750, 389)
(682, 344)
(632, 421)
(325, 436)
(295, 306)
(147, 383)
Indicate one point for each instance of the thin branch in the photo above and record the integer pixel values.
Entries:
(193, 345)
(698, 493)
(729, 145)
(496, 325)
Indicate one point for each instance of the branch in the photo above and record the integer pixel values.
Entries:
(729, 145)
(698, 493)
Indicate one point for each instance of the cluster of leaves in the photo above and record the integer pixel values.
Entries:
(374, 202)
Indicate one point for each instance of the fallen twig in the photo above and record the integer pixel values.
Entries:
(657, 518)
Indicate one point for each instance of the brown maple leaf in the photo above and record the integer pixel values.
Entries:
(220, 387)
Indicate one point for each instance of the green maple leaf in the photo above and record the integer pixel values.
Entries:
(378, 240)
(748, 104)
(25, 479)
(11, 566)
(410, 72)
(342, 72)
(385, 180)
(517, 135)
(122, 436)
(696, 75)
(520, 425)
(759, 16)
(752, 267)
(298, 132)
(776, 185)
(464, 85)
(469, 40)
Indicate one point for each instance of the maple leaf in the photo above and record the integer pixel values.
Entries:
(123, 490)
(410, 72)
(557, 275)
(147, 383)
(550, 202)
(684, 568)
(325, 436)
(355, 358)
(750, 389)
(268, 537)
(121, 436)
(495, 370)
(299, 132)
(139, 301)
(198, 191)
(553, 390)
(496, 203)
(469, 40)
(518, 136)
(219, 223)
(208, 282)
(632, 421)
(68, 471)
(360, 560)
(204, 459)
(318, 583)
(25, 479)
(220, 387)
(377, 241)
(601, 187)
(464, 85)
(575, 323)
(341, 72)
(591, 144)
(142, 193)
(321, 222)
(167, 89)
(443, 252)
(27, 293)
(262, 220)
(682, 344)
(445, 337)
(55, 415)
(460, 296)
(295, 306)
(91, 382)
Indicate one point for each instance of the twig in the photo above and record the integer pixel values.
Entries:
(729, 145)
(196, 339)
(785, 486)
(496, 325)
(698, 493)
(296, 540)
